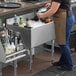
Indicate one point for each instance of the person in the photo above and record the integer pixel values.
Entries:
(64, 20)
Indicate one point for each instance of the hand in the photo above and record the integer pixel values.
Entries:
(40, 15)
(47, 5)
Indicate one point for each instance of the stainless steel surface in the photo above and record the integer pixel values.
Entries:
(31, 60)
(0, 69)
(25, 8)
(33, 37)
(52, 54)
(15, 68)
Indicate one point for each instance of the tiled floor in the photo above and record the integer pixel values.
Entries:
(41, 66)
(41, 62)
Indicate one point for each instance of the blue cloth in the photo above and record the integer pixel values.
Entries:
(65, 58)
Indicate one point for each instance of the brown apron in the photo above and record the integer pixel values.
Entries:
(60, 26)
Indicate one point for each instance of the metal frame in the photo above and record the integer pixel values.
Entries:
(33, 37)
(4, 58)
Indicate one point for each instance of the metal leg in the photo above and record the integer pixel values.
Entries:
(15, 68)
(33, 51)
(52, 54)
(31, 60)
(15, 62)
(0, 69)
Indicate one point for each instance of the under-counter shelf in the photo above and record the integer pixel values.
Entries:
(5, 58)
(35, 36)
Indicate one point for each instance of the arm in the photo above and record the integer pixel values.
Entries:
(53, 9)
(48, 5)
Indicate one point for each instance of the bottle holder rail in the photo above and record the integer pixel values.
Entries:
(12, 56)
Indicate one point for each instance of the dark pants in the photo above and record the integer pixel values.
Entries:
(66, 59)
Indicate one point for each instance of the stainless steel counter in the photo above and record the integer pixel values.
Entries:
(33, 37)
(25, 8)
